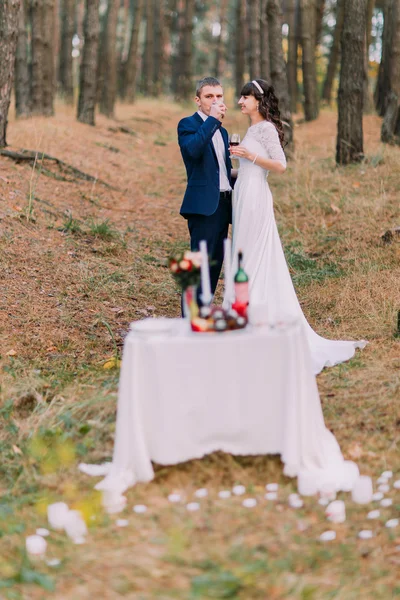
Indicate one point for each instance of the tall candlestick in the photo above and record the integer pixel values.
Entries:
(206, 295)
(228, 279)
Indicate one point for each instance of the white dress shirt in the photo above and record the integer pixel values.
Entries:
(219, 148)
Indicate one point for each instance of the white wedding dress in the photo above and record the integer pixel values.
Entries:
(254, 231)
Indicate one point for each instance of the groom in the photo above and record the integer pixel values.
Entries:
(207, 204)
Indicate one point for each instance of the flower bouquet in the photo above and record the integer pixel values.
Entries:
(185, 269)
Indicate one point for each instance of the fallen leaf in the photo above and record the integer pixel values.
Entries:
(17, 450)
(356, 184)
(4, 179)
(11, 353)
(111, 363)
(51, 349)
(335, 209)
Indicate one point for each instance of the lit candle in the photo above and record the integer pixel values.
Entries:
(206, 295)
(229, 294)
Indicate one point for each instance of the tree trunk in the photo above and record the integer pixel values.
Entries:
(265, 72)
(391, 123)
(254, 38)
(88, 70)
(185, 86)
(37, 11)
(368, 97)
(382, 89)
(334, 53)
(148, 56)
(278, 68)
(159, 47)
(109, 89)
(67, 16)
(22, 91)
(240, 44)
(48, 58)
(219, 57)
(349, 147)
(308, 12)
(131, 65)
(292, 53)
(319, 15)
(9, 10)
(175, 10)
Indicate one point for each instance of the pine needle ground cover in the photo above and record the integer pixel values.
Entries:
(80, 260)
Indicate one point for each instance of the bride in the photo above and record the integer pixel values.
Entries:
(254, 229)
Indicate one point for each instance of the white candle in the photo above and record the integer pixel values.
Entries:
(206, 295)
(229, 293)
(362, 490)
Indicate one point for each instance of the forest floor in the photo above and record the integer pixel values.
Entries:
(80, 260)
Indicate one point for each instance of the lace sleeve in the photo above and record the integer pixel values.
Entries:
(268, 137)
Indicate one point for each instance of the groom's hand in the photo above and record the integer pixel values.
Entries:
(218, 110)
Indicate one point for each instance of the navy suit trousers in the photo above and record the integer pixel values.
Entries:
(213, 229)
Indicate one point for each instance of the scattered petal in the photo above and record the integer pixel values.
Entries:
(192, 506)
(249, 502)
(272, 487)
(271, 496)
(374, 514)
(323, 501)
(377, 496)
(386, 502)
(382, 479)
(397, 484)
(238, 490)
(75, 526)
(201, 493)
(42, 532)
(384, 487)
(327, 536)
(113, 502)
(174, 497)
(11, 353)
(35, 545)
(224, 494)
(295, 502)
(365, 534)
(122, 522)
(387, 474)
(16, 450)
(336, 511)
(139, 509)
(53, 562)
(392, 523)
(57, 514)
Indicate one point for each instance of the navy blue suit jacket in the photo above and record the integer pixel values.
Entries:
(198, 153)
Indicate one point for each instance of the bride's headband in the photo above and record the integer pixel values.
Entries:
(258, 86)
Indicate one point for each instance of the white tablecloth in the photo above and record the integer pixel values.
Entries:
(184, 395)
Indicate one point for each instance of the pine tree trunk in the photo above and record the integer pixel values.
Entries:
(37, 37)
(109, 89)
(67, 16)
(48, 58)
(264, 42)
(319, 15)
(148, 56)
(185, 86)
(9, 10)
(278, 68)
(219, 57)
(159, 47)
(368, 97)
(88, 70)
(240, 45)
(131, 66)
(349, 147)
(334, 53)
(308, 27)
(22, 91)
(254, 38)
(175, 9)
(382, 89)
(390, 132)
(292, 53)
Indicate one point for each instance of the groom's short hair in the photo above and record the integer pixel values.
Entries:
(206, 81)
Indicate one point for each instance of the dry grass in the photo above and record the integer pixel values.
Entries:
(79, 261)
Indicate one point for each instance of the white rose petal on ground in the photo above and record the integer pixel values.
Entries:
(35, 545)
(382, 479)
(42, 531)
(327, 536)
(271, 496)
(323, 501)
(397, 484)
(365, 534)
(192, 506)
(386, 502)
(272, 487)
(336, 511)
(201, 493)
(174, 498)
(224, 494)
(53, 562)
(384, 487)
(113, 502)
(249, 502)
(387, 474)
(139, 509)
(377, 496)
(75, 526)
(57, 515)
(122, 522)
(295, 502)
(238, 490)
(374, 514)
(392, 523)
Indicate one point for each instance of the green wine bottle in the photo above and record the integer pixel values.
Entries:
(241, 283)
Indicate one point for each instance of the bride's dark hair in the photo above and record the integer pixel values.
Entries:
(267, 104)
